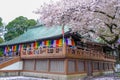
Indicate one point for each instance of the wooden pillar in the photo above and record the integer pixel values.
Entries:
(23, 66)
(48, 65)
(85, 66)
(92, 66)
(76, 66)
(66, 66)
(35, 64)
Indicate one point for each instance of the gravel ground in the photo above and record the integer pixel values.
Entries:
(105, 77)
(21, 78)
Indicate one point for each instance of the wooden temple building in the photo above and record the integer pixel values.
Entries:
(42, 53)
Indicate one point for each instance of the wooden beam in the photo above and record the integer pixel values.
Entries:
(9, 62)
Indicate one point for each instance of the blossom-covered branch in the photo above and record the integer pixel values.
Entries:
(84, 16)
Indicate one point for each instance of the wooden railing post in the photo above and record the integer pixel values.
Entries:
(20, 53)
(64, 49)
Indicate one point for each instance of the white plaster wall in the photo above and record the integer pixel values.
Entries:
(14, 66)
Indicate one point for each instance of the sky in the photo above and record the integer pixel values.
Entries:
(10, 9)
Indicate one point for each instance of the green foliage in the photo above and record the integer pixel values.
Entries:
(1, 49)
(100, 40)
(1, 40)
(1, 22)
(1, 53)
(31, 22)
(18, 26)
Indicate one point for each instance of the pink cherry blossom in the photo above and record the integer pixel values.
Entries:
(88, 17)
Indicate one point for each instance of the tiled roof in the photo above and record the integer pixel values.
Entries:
(37, 33)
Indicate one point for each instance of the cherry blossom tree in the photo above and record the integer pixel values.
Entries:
(88, 17)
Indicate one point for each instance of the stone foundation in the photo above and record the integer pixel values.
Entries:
(102, 73)
(55, 76)
(3, 74)
(108, 72)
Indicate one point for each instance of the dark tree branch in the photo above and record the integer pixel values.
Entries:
(92, 31)
(112, 17)
(110, 41)
(111, 26)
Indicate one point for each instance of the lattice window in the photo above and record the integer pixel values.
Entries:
(57, 66)
(101, 67)
(29, 65)
(42, 65)
(95, 65)
(71, 66)
(81, 66)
